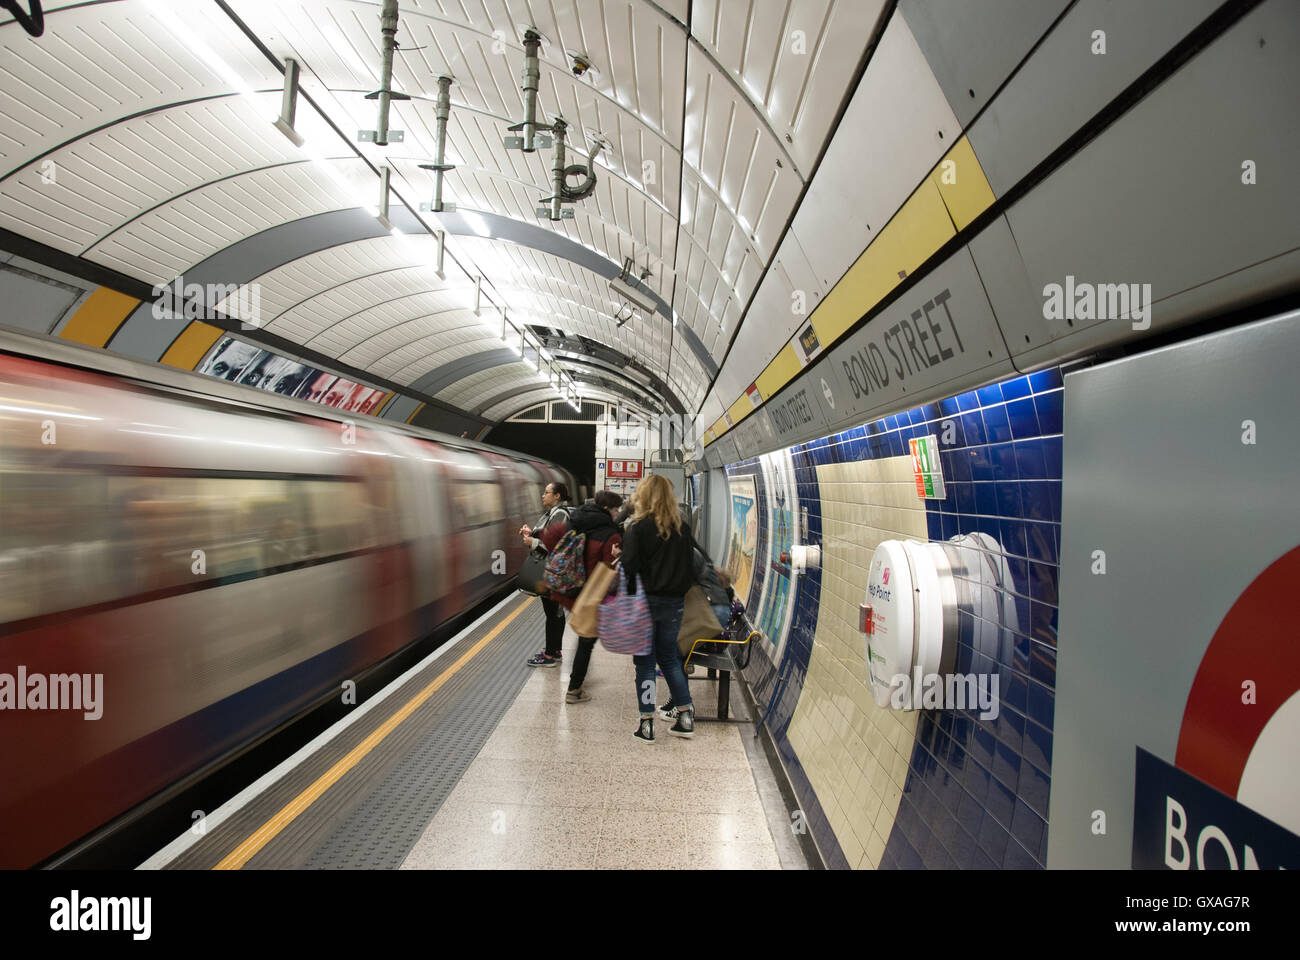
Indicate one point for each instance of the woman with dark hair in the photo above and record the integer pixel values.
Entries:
(657, 549)
(596, 521)
(555, 501)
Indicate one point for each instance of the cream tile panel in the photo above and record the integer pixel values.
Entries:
(477, 387)
(430, 349)
(433, 332)
(855, 753)
(97, 63)
(163, 243)
(440, 309)
(306, 277)
(99, 182)
(790, 58)
(478, 342)
(315, 317)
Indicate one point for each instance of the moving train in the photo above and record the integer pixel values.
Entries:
(186, 564)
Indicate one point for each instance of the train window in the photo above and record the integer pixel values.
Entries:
(70, 539)
(475, 504)
(338, 513)
(55, 542)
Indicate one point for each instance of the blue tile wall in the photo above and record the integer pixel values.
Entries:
(977, 790)
(992, 777)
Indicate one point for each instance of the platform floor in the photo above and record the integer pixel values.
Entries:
(473, 760)
(567, 786)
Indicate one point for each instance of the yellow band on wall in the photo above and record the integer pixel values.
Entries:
(191, 346)
(98, 318)
(962, 184)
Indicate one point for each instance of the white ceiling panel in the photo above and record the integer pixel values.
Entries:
(156, 116)
(161, 244)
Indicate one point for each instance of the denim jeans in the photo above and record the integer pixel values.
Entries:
(723, 612)
(666, 612)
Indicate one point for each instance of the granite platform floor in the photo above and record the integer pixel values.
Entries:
(567, 786)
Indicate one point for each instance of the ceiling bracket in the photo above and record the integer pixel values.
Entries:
(289, 104)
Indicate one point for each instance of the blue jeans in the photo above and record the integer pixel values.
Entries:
(723, 612)
(666, 612)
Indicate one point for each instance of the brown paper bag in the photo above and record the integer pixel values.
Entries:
(698, 621)
(586, 607)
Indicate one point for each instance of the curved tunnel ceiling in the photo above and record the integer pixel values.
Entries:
(156, 117)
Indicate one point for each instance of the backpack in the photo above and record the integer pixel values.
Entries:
(566, 569)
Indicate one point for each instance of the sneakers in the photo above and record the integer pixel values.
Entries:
(645, 731)
(685, 725)
(542, 660)
(668, 711)
(576, 696)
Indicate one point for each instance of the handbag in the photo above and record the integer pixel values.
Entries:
(532, 575)
(623, 622)
(586, 609)
(698, 621)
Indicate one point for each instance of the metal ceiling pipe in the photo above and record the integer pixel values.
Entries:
(443, 114)
(532, 83)
(388, 28)
(558, 128)
(440, 165)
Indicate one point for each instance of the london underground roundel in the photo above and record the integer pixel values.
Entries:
(1241, 724)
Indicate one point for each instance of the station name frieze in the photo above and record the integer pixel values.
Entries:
(925, 339)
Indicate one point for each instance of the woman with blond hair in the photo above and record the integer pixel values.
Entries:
(657, 549)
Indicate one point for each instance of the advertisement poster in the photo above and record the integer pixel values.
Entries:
(744, 534)
(228, 359)
(775, 606)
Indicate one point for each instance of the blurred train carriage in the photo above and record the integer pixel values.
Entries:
(222, 558)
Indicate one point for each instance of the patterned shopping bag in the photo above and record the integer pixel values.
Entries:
(624, 624)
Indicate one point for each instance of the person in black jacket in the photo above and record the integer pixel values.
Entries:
(657, 551)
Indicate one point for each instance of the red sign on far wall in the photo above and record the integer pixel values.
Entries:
(629, 469)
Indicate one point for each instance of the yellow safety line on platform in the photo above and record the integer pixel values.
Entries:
(268, 831)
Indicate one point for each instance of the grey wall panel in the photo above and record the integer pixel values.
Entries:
(728, 450)
(434, 418)
(145, 336)
(1016, 303)
(1157, 476)
(1064, 83)
(34, 298)
(1158, 198)
(400, 408)
(976, 45)
(719, 507)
